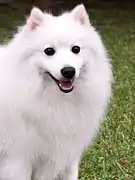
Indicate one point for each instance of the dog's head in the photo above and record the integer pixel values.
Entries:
(62, 46)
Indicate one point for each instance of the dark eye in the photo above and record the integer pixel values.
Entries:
(75, 49)
(49, 51)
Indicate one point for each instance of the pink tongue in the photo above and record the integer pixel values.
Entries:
(65, 84)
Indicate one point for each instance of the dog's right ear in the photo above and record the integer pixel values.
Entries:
(80, 14)
(35, 19)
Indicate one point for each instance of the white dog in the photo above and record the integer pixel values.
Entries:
(55, 86)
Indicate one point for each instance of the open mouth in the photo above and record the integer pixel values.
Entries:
(65, 85)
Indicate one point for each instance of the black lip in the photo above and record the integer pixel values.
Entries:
(57, 82)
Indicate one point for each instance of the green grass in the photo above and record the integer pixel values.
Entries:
(112, 156)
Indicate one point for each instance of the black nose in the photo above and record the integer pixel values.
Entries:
(68, 72)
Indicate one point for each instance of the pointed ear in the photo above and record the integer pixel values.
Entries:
(35, 19)
(79, 13)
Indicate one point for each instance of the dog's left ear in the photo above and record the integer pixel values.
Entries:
(80, 14)
(35, 19)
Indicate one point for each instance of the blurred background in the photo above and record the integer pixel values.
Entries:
(112, 155)
(56, 5)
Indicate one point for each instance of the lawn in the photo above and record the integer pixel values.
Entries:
(112, 155)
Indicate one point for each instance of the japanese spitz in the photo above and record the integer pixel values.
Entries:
(55, 86)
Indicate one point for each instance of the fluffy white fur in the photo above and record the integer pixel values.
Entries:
(43, 131)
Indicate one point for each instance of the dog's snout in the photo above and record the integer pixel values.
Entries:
(68, 72)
